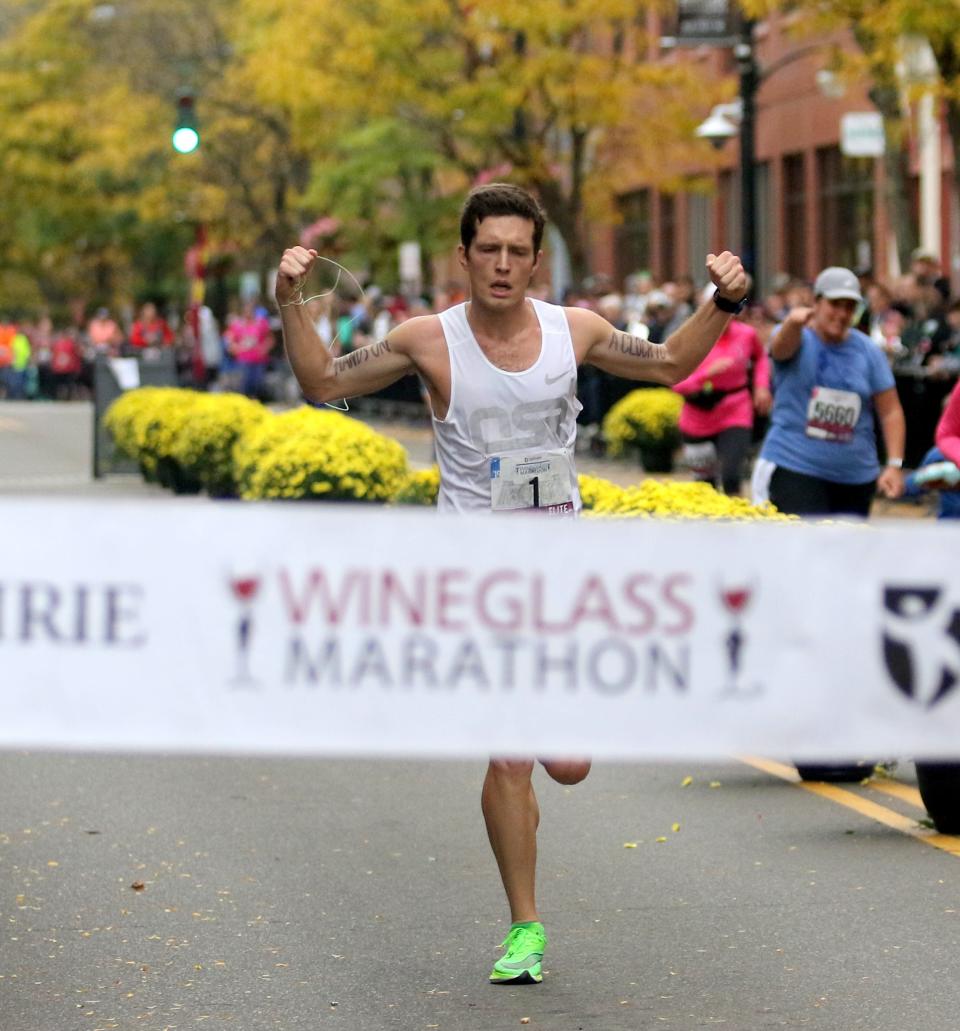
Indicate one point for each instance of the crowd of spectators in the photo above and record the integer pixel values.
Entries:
(913, 318)
(41, 362)
(240, 352)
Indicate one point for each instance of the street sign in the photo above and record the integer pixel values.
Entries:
(861, 134)
(715, 22)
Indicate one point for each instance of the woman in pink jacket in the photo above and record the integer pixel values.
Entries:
(948, 428)
(720, 397)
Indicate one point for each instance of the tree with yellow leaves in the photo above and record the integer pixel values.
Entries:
(555, 95)
(95, 202)
(379, 113)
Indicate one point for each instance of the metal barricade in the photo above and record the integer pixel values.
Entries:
(155, 367)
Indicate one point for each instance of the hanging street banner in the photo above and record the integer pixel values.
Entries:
(223, 627)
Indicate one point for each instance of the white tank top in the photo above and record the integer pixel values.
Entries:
(496, 413)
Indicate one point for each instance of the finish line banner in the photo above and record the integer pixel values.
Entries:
(343, 630)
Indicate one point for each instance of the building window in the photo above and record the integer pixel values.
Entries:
(633, 234)
(794, 216)
(846, 203)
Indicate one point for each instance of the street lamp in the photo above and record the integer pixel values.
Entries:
(722, 124)
(749, 84)
(726, 120)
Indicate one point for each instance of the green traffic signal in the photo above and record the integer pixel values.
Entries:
(185, 137)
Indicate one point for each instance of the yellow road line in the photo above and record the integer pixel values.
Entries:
(895, 789)
(863, 806)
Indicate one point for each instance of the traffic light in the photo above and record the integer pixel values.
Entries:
(186, 137)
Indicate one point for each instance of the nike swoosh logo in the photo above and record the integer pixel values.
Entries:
(550, 380)
(531, 961)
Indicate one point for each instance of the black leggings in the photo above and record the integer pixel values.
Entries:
(798, 494)
(732, 445)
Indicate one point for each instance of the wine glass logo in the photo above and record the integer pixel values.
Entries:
(245, 589)
(736, 600)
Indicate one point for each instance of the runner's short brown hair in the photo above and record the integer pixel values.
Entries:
(500, 199)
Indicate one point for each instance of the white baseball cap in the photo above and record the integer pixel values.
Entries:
(836, 284)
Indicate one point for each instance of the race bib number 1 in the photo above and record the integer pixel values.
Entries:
(529, 483)
(832, 414)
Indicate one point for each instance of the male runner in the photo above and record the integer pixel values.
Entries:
(501, 372)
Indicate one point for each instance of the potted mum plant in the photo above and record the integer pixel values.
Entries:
(645, 421)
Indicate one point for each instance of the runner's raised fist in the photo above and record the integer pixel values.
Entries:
(728, 275)
(294, 267)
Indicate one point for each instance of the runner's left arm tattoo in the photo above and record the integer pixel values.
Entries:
(638, 347)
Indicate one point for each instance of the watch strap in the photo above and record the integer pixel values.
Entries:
(731, 307)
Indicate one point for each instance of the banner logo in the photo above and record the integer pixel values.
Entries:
(921, 642)
(244, 590)
(735, 601)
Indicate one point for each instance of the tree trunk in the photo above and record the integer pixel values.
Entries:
(562, 216)
(953, 125)
(896, 168)
(885, 95)
(948, 61)
(565, 209)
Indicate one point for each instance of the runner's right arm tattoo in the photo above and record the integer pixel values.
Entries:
(362, 354)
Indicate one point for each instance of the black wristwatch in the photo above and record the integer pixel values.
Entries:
(731, 307)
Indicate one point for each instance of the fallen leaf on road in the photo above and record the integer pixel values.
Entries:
(138, 886)
(661, 839)
(686, 782)
(629, 844)
(675, 828)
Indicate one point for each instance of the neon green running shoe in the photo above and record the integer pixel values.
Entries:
(521, 963)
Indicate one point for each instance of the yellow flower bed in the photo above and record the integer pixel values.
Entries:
(420, 487)
(145, 423)
(227, 442)
(649, 499)
(643, 418)
(313, 454)
(653, 499)
(204, 446)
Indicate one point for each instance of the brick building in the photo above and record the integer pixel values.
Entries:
(815, 205)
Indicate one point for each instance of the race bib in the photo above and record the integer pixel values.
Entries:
(832, 414)
(528, 483)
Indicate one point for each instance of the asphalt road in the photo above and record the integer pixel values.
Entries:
(47, 448)
(292, 894)
(163, 893)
